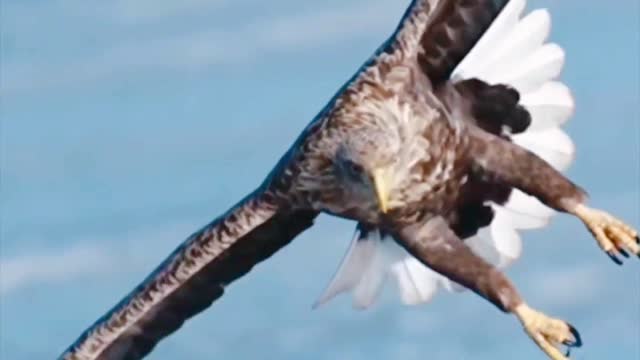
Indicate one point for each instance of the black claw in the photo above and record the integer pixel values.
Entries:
(623, 253)
(577, 342)
(613, 257)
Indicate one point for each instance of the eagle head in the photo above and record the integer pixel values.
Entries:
(366, 164)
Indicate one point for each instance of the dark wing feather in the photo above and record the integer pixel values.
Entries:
(440, 33)
(495, 109)
(190, 279)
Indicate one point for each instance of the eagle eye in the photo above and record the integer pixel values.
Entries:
(354, 169)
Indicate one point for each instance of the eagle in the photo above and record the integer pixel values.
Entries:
(443, 145)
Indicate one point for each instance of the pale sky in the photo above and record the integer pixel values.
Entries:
(126, 125)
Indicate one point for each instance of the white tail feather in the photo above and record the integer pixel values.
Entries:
(368, 289)
(505, 238)
(524, 39)
(553, 145)
(551, 105)
(523, 220)
(477, 59)
(352, 268)
(415, 281)
(512, 51)
(543, 65)
(367, 264)
(526, 211)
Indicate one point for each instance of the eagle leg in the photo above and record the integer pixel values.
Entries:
(503, 162)
(437, 246)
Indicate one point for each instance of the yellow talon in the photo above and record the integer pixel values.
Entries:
(546, 332)
(613, 236)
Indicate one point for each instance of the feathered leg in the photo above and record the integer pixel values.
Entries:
(500, 161)
(437, 246)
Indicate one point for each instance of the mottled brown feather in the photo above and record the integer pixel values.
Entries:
(455, 27)
(224, 250)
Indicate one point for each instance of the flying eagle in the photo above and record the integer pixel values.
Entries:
(444, 144)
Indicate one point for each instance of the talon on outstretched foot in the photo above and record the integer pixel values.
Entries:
(613, 236)
(548, 333)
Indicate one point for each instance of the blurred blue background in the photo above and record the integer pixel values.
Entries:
(127, 124)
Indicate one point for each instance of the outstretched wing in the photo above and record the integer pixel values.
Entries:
(440, 33)
(190, 279)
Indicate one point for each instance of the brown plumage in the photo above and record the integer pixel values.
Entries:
(400, 148)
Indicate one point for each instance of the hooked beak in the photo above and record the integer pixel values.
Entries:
(382, 183)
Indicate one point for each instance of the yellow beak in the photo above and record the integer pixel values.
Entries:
(381, 183)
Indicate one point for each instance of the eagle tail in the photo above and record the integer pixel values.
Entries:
(513, 52)
(362, 270)
(371, 258)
